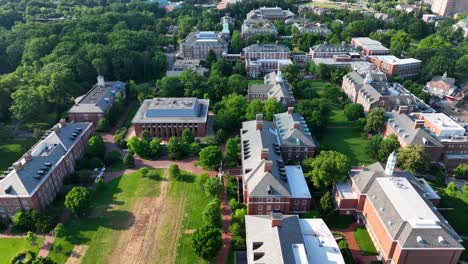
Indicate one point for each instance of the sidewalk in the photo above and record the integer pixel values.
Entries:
(45, 249)
(353, 246)
(223, 254)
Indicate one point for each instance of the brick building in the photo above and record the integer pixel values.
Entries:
(92, 106)
(197, 45)
(312, 28)
(268, 184)
(449, 7)
(35, 179)
(264, 58)
(274, 86)
(252, 29)
(268, 13)
(398, 210)
(278, 239)
(395, 67)
(369, 46)
(295, 140)
(335, 55)
(167, 117)
(372, 90)
(443, 139)
(441, 86)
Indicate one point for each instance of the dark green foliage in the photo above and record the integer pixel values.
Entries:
(78, 200)
(25, 257)
(326, 204)
(353, 111)
(32, 220)
(213, 187)
(461, 170)
(206, 241)
(129, 160)
(212, 213)
(211, 157)
(58, 231)
(375, 120)
(96, 147)
(201, 179)
(174, 172)
(414, 159)
(119, 137)
(111, 157)
(328, 167)
(43, 260)
(451, 189)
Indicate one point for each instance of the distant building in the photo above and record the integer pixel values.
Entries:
(92, 106)
(372, 90)
(406, 8)
(430, 18)
(268, 184)
(449, 7)
(335, 55)
(182, 65)
(168, 117)
(250, 30)
(395, 67)
(443, 139)
(197, 45)
(312, 28)
(274, 86)
(36, 178)
(398, 210)
(295, 140)
(269, 13)
(370, 46)
(441, 86)
(261, 59)
(278, 239)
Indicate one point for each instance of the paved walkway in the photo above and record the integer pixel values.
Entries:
(223, 254)
(45, 249)
(353, 246)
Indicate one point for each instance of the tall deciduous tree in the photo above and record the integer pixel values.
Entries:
(212, 213)
(211, 157)
(414, 159)
(328, 167)
(375, 120)
(78, 200)
(206, 241)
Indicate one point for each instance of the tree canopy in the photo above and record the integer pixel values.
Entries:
(327, 167)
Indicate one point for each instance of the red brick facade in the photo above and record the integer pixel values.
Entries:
(167, 130)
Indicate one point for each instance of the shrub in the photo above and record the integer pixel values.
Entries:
(100, 184)
(465, 189)
(212, 213)
(213, 187)
(84, 177)
(111, 157)
(119, 137)
(238, 243)
(235, 228)
(174, 172)
(206, 241)
(233, 204)
(78, 200)
(59, 230)
(451, 189)
(103, 125)
(129, 161)
(25, 256)
(461, 171)
(201, 179)
(31, 238)
(353, 111)
(4, 222)
(143, 171)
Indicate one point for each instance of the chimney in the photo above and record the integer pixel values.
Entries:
(264, 154)
(277, 42)
(418, 124)
(27, 156)
(17, 166)
(259, 125)
(343, 44)
(403, 109)
(259, 117)
(56, 128)
(290, 110)
(268, 165)
(276, 219)
(100, 81)
(325, 43)
(297, 124)
(63, 122)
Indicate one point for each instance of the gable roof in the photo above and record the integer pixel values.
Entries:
(291, 136)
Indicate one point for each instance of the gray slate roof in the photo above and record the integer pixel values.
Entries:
(204, 38)
(404, 124)
(400, 229)
(273, 87)
(95, 100)
(49, 150)
(290, 136)
(276, 241)
(266, 48)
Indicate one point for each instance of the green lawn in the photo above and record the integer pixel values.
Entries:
(111, 213)
(12, 150)
(349, 141)
(364, 242)
(457, 218)
(338, 118)
(196, 201)
(9, 247)
(347, 255)
(256, 81)
(310, 214)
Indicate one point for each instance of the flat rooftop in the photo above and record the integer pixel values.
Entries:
(390, 59)
(443, 122)
(172, 110)
(297, 182)
(408, 203)
(345, 190)
(370, 44)
(320, 244)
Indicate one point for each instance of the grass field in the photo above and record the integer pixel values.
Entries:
(364, 242)
(348, 141)
(9, 247)
(256, 81)
(457, 218)
(111, 214)
(12, 150)
(338, 118)
(196, 201)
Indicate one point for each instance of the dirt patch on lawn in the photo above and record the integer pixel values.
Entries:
(77, 254)
(153, 236)
(189, 231)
